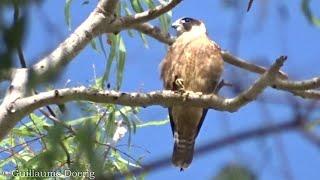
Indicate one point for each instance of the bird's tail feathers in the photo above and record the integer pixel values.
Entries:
(182, 151)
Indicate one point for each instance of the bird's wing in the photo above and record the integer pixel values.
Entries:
(171, 120)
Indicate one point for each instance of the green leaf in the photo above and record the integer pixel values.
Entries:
(80, 121)
(38, 121)
(93, 44)
(305, 5)
(235, 172)
(144, 39)
(114, 41)
(110, 125)
(129, 125)
(102, 46)
(136, 6)
(153, 123)
(127, 13)
(150, 4)
(121, 62)
(67, 15)
(22, 132)
(28, 128)
(165, 19)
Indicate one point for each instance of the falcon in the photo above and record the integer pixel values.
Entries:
(193, 63)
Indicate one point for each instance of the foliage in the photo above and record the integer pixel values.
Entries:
(235, 172)
(88, 143)
(46, 143)
(305, 6)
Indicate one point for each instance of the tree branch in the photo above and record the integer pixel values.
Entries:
(308, 94)
(94, 25)
(148, 15)
(7, 74)
(218, 144)
(294, 87)
(257, 88)
(17, 109)
(154, 32)
(238, 62)
(297, 85)
(108, 6)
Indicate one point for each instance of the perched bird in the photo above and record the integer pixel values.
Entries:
(193, 63)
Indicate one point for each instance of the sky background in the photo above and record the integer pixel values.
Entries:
(272, 28)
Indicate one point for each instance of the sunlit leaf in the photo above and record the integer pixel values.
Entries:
(127, 13)
(110, 124)
(144, 40)
(165, 19)
(102, 46)
(93, 44)
(153, 123)
(114, 43)
(128, 123)
(67, 15)
(121, 63)
(31, 128)
(136, 6)
(80, 121)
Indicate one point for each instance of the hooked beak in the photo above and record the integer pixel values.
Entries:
(175, 25)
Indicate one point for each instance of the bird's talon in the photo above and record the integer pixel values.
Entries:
(180, 85)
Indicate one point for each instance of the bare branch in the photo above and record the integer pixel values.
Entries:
(218, 144)
(154, 32)
(19, 108)
(312, 137)
(249, 5)
(229, 58)
(257, 88)
(108, 6)
(7, 74)
(148, 15)
(58, 121)
(308, 94)
(94, 25)
(297, 85)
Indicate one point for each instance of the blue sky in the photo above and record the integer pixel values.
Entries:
(263, 35)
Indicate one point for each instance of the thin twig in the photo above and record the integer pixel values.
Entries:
(122, 152)
(311, 137)
(229, 58)
(129, 21)
(58, 121)
(22, 144)
(16, 15)
(218, 144)
(249, 5)
(154, 32)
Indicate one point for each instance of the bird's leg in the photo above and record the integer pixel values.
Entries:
(220, 85)
(179, 85)
(180, 88)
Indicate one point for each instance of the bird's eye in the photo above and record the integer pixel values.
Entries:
(186, 20)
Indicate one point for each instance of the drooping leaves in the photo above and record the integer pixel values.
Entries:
(305, 6)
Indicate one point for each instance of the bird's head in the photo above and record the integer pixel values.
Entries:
(187, 24)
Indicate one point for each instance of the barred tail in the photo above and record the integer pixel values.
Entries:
(182, 151)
